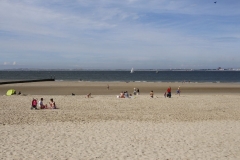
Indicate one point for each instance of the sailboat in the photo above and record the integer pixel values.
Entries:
(132, 70)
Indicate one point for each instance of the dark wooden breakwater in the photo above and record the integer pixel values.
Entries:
(27, 81)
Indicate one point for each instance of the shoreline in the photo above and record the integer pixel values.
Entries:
(122, 81)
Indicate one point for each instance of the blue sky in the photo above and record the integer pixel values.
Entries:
(106, 34)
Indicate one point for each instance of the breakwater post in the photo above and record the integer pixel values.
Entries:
(27, 81)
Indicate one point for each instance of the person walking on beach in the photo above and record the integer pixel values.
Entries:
(151, 94)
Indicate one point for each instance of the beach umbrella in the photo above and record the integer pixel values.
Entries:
(10, 92)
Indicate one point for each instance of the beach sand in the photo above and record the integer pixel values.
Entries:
(202, 123)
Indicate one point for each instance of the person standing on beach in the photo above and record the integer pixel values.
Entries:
(138, 92)
(134, 91)
(169, 92)
(178, 90)
(151, 94)
(108, 87)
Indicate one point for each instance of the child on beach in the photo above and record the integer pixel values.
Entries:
(165, 94)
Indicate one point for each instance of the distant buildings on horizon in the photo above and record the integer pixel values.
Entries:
(155, 70)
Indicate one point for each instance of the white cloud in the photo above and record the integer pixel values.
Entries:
(125, 31)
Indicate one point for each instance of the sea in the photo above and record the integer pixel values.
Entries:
(125, 76)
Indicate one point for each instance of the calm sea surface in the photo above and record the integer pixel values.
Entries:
(149, 76)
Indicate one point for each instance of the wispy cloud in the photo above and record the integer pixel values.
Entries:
(124, 33)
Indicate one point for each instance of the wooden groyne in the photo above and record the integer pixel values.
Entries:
(27, 81)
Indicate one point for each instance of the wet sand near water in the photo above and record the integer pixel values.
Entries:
(100, 88)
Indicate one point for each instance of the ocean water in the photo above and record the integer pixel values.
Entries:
(148, 76)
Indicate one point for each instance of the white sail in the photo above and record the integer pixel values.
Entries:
(132, 70)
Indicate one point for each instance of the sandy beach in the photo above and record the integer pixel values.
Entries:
(202, 123)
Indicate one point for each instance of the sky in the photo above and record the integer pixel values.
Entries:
(107, 34)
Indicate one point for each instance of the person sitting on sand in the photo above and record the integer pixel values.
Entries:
(52, 104)
(41, 105)
(151, 94)
(34, 104)
(121, 95)
(89, 95)
(126, 94)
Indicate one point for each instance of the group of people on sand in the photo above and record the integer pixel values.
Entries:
(136, 91)
(124, 95)
(168, 93)
(41, 105)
